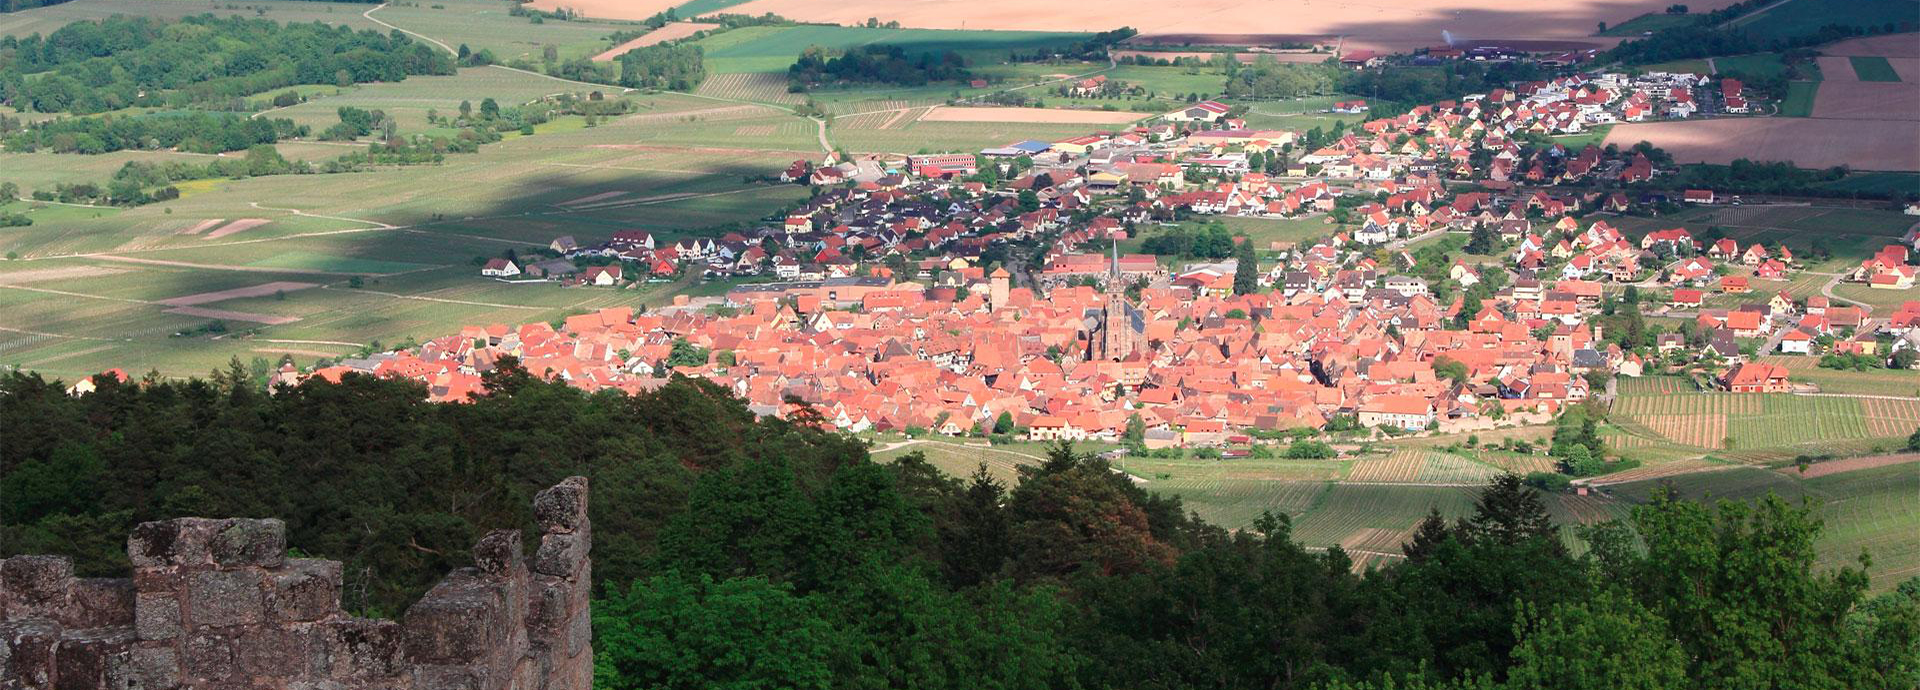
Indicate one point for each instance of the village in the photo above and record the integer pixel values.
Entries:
(986, 293)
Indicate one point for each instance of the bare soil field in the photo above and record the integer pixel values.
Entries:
(62, 273)
(1034, 115)
(1238, 40)
(1373, 25)
(608, 9)
(1248, 58)
(1822, 469)
(1808, 142)
(238, 226)
(1860, 100)
(202, 226)
(261, 290)
(663, 34)
(1835, 70)
(1888, 46)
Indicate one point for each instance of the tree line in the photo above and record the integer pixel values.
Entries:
(735, 551)
(196, 132)
(119, 62)
(17, 5)
(874, 64)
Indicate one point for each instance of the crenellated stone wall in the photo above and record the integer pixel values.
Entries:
(217, 604)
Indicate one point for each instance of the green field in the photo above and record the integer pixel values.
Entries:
(1894, 382)
(1805, 17)
(1695, 66)
(1761, 65)
(1799, 99)
(1591, 137)
(774, 48)
(1651, 21)
(1891, 183)
(1873, 69)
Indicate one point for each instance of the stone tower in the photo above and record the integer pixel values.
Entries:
(217, 604)
(999, 283)
(1118, 338)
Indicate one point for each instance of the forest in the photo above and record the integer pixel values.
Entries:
(734, 551)
(119, 62)
(874, 64)
(678, 66)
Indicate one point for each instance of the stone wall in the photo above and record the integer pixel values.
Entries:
(217, 604)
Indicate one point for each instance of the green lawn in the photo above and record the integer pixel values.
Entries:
(1873, 69)
(1799, 99)
(1575, 142)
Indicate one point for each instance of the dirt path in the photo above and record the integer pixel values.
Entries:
(442, 300)
(369, 15)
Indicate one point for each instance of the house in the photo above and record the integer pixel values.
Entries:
(602, 276)
(1734, 285)
(1410, 412)
(564, 245)
(500, 268)
(1796, 342)
(1756, 377)
(1698, 196)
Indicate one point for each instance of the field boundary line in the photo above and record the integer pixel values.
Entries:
(45, 334)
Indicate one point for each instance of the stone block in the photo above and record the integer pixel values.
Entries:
(208, 657)
(499, 552)
(450, 677)
(360, 648)
(180, 542)
(35, 583)
(26, 653)
(98, 602)
(562, 554)
(155, 668)
(562, 507)
(156, 616)
(307, 589)
(458, 622)
(243, 542)
(547, 607)
(94, 659)
(270, 651)
(579, 632)
(222, 598)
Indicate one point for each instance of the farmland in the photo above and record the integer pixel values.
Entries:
(1808, 142)
(1399, 27)
(1759, 428)
(1872, 382)
(773, 48)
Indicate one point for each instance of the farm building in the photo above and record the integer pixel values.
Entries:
(500, 268)
(1755, 377)
(1204, 111)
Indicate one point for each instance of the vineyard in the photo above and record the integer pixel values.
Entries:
(1761, 427)
(1353, 511)
(763, 87)
(1421, 466)
(1237, 504)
